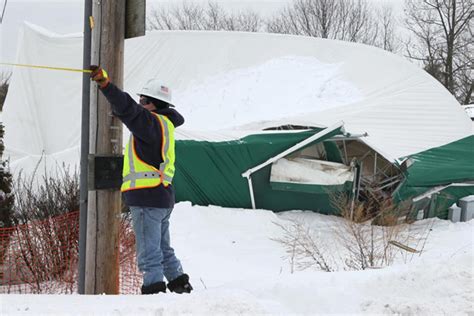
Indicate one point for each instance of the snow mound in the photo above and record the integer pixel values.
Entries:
(276, 89)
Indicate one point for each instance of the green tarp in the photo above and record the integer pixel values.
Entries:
(453, 162)
(210, 173)
(437, 167)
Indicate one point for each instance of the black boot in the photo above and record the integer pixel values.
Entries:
(180, 284)
(154, 288)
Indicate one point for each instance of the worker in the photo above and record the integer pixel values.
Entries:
(147, 178)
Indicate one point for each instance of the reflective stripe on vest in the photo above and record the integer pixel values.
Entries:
(137, 174)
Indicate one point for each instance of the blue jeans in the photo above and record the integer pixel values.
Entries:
(155, 256)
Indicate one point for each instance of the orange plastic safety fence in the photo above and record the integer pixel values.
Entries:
(42, 257)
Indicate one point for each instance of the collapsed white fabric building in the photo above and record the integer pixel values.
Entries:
(229, 85)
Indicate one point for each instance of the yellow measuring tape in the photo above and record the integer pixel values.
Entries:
(48, 67)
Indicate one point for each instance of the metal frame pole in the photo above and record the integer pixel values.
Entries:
(252, 196)
(85, 122)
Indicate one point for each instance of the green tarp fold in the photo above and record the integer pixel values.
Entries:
(453, 162)
(439, 167)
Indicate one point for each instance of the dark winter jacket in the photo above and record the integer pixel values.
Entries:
(147, 133)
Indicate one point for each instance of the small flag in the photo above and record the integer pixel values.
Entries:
(164, 89)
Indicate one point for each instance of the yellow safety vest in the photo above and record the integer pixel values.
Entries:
(137, 174)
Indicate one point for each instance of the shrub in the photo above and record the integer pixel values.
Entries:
(47, 231)
(51, 196)
(6, 196)
(370, 234)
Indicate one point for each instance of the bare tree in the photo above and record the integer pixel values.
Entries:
(247, 21)
(187, 17)
(302, 249)
(160, 19)
(443, 42)
(348, 20)
(388, 38)
(194, 16)
(215, 17)
(306, 17)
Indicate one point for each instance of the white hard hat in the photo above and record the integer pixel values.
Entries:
(155, 89)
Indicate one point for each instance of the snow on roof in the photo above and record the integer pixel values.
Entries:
(276, 89)
(243, 82)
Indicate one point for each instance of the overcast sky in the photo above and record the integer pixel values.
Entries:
(66, 16)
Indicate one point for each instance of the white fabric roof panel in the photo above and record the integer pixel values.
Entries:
(402, 108)
(42, 111)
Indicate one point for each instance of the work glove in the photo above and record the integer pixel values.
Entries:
(100, 76)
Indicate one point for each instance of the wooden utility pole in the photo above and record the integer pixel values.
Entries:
(85, 130)
(104, 205)
(111, 22)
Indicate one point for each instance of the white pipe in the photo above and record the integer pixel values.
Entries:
(252, 198)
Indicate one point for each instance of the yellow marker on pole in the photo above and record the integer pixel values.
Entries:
(48, 67)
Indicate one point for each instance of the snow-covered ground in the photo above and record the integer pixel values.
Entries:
(236, 267)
